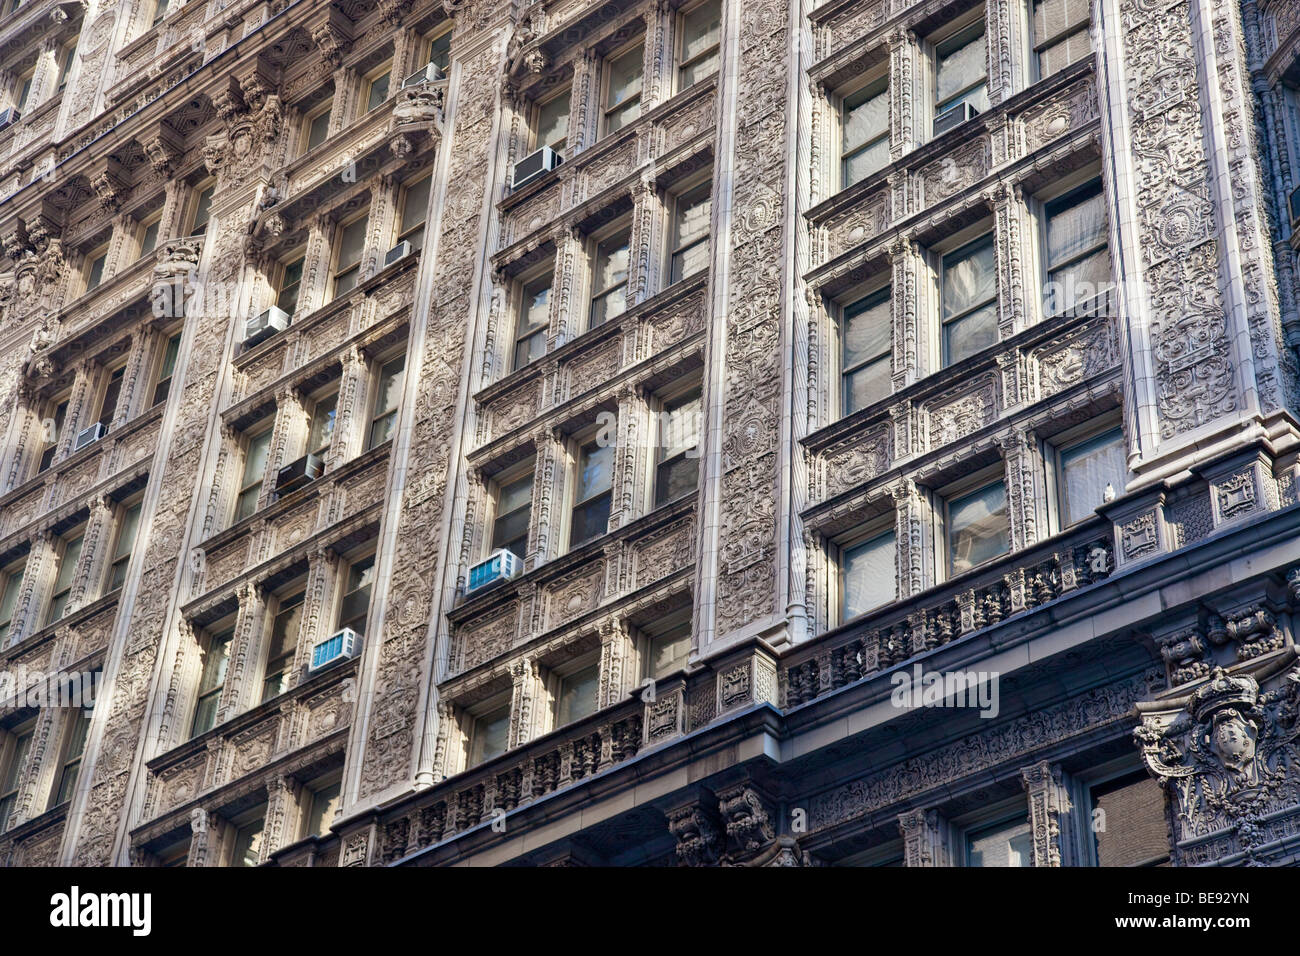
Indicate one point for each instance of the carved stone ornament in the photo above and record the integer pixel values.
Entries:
(698, 837)
(1226, 754)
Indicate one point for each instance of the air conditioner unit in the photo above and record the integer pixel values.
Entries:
(343, 646)
(88, 436)
(1294, 203)
(953, 116)
(264, 326)
(9, 117)
(298, 474)
(397, 253)
(501, 565)
(429, 73)
(534, 165)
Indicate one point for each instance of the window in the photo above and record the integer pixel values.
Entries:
(532, 325)
(415, 207)
(159, 11)
(514, 509)
(321, 431)
(669, 644)
(74, 746)
(1085, 470)
(247, 848)
(317, 126)
(969, 293)
(1060, 34)
(24, 90)
(609, 277)
(212, 680)
(286, 297)
(1127, 821)
(356, 594)
(202, 209)
(677, 469)
(593, 492)
(864, 140)
(868, 575)
(351, 244)
(166, 369)
(51, 429)
(690, 233)
(325, 800)
(698, 56)
(440, 50)
(866, 343)
(250, 482)
(176, 855)
(149, 234)
(576, 696)
(127, 528)
(13, 757)
(978, 527)
(1078, 252)
(551, 125)
(65, 64)
(388, 396)
(283, 645)
(377, 85)
(489, 735)
(112, 393)
(960, 72)
(1009, 843)
(63, 580)
(11, 584)
(94, 267)
(623, 88)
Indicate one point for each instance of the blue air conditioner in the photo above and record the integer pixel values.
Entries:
(343, 646)
(500, 566)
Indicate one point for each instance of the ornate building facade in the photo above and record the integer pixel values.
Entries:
(875, 422)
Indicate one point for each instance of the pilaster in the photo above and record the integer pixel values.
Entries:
(1049, 813)
(926, 839)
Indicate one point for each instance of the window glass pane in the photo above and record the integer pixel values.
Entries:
(378, 91)
(325, 803)
(866, 116)
(553, 122)
(865, 161)
(112, 391)
(440, 51)
(670, 651)
(390, 385)
(535, 306)
(215, 660)
(415, 204)
(248, 844)
(255, 458)
(491, 733)
(1129, 818)
(1078, 282)
(1054, 17)
(125, 543)
(870, 575)
(676, 478)
(318, 129)
(970, 334)
(595, 470)
(590, 520)
(867, 385)
(352, 242)
(1086, 470)
(1075, 224)
(578, 695)
(624, 77)
(700, 30)
(1003, 845)
(290, 285)
(978, 528)
(692, 219)
(961, 63)
(680, 425)
(13, 583)
(969, 277)
(96, 274)
(149, 239)
(202, 209)
(868, 327)
(356, 598)
(322, 424)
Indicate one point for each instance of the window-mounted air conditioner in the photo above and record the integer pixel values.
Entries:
(264, 326)
(9, 117)
(429, 73)
(1294, 203)
(397, 253)
(343, 646)
(88, 436)
(298, 474)
(954, 116)
(534, 165)
(500, 565)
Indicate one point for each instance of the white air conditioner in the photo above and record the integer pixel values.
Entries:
(429, 73)
(88, 436)
(261, 327)
(9, 117)
(953, 117)
(397, 253)
(500, 565)
(343, 646)
(534, 165)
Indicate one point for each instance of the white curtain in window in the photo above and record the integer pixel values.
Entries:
(870, 575)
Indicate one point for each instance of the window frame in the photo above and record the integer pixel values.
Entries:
(113, 374)
(225, 630)
(384, 69)
(1064, 442)
(337, 269)
(431, 40)
(535, 120)
(368, 553)
(142, 233)
(60, 590)
(1000, 816)
(405, 232)
(530, 280)
(595, 241)
(876, 292)
(379, 365)
(679, 43)
(877, 77)
(966, 487)
(866, 533)
(678, 197)
(1064, 195)
(652, 635)
(607, 76)
(477, 717)
(578, 444)
(159, 378)
(115, 560)
(195, 206)
(290, 597)
(254, 433)
(15, 753)
(57, 411)
(312, 790)
(1036, 46)
(675, 397)
(559, 678)
(497, 485)
(76, 723)
(309, 118)
(94, 268)
(965, 241)
(978, 15)
(11, 576)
